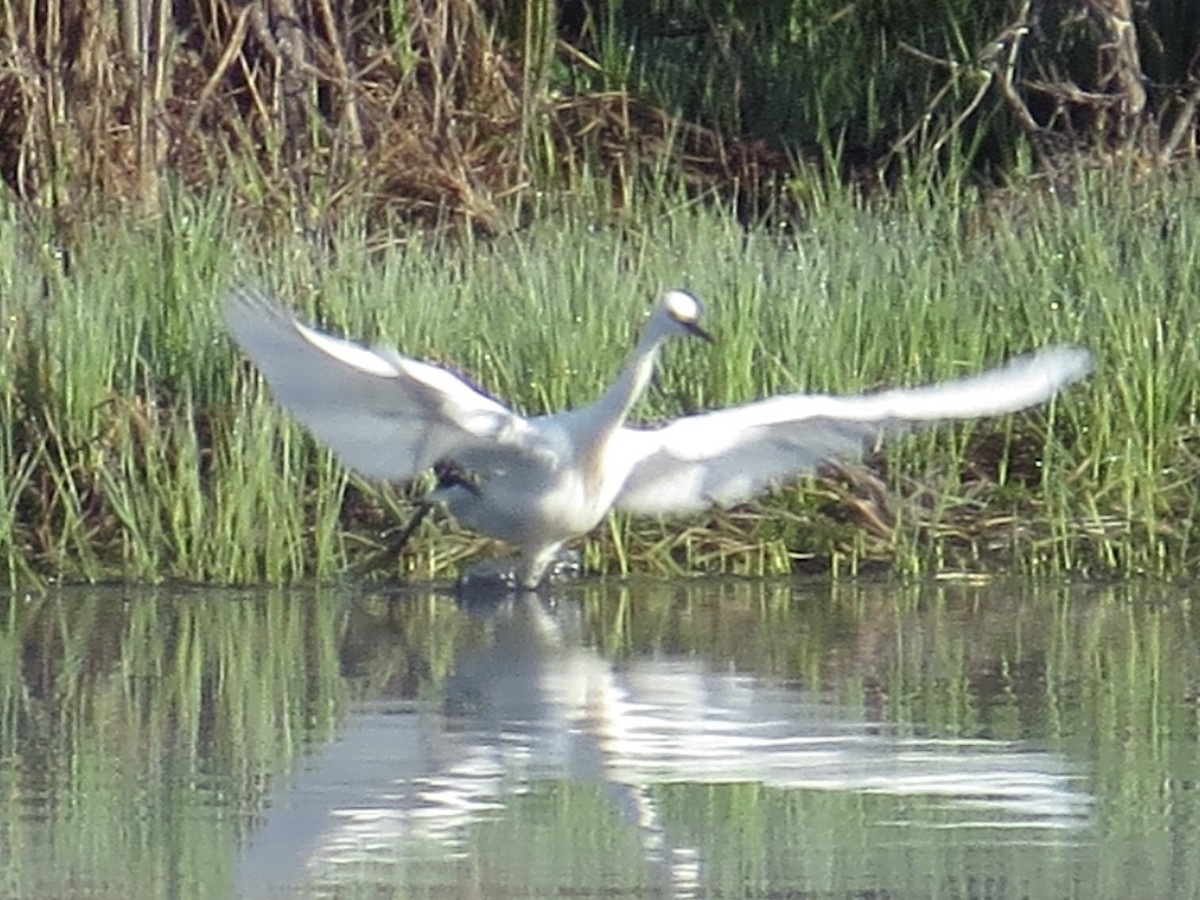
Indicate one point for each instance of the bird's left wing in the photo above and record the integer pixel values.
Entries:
(729, 455)
(385, 415)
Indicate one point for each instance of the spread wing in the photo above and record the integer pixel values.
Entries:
(385, 415)
(729, 455)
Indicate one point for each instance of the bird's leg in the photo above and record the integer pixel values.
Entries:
(396, 543)
(537, 564)
(553, 564)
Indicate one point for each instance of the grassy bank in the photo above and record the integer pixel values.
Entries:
(136, 444)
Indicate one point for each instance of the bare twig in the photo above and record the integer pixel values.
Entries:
(233, 49)
(1006, 53)
(1185, 125)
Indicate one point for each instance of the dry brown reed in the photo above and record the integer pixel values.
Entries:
(427, 111)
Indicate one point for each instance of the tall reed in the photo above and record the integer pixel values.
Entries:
(137, 443)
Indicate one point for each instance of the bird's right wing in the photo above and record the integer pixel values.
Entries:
(385, 415)
(727, 456)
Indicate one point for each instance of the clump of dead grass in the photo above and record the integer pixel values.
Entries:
(423, 111)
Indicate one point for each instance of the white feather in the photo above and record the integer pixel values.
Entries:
(542, 481)
(729, 455)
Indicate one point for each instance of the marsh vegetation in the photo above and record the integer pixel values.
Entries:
(505, 194)
(138, 444)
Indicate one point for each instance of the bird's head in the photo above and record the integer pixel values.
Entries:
(678, 312)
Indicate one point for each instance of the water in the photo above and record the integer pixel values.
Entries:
(691, 739)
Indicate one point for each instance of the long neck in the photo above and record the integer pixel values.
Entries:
(613, 407)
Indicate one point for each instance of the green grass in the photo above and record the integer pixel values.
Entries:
(137, 444)
(812, 74)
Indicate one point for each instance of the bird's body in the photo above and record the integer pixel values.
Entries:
(538, 482)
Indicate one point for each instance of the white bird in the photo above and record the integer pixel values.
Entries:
(538, 482)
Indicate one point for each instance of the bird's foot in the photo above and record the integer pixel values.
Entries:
(505, 574)
(567, 566)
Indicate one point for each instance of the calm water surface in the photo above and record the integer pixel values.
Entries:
(696, 739)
